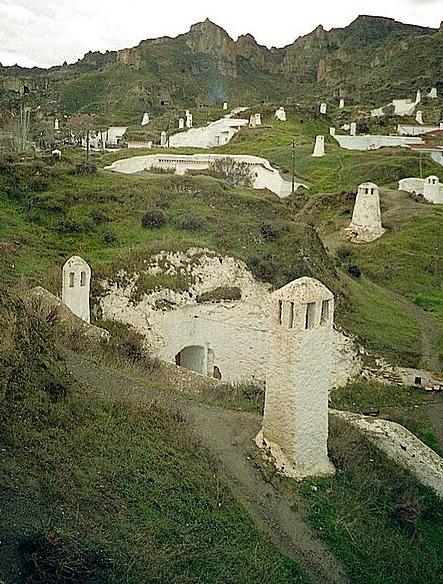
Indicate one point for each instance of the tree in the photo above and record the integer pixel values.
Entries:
(80, 126)
(234, 173)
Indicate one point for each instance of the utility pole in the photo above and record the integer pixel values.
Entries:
(87, 145)
(293, 166)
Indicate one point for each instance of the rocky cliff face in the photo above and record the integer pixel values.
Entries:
(373, 58)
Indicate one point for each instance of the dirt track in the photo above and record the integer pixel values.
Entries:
(227, 436)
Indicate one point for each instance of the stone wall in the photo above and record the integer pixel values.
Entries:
(264, 176)
(402, 446)
(374, 142)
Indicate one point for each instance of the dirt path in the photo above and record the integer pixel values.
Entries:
(428, 332)
(227, 436)
(435, 415)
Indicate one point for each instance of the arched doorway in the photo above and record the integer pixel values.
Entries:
(193, 358)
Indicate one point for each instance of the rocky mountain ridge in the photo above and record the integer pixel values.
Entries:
(371, 60)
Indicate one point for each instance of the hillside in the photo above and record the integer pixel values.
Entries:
(111, 470)
(372, 59)
(100, 491)
(48, 212)
(120, 478)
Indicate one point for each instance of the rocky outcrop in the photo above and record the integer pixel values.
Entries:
(209, 39)
(402, 446)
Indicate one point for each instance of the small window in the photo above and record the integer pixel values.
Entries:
(310, 315)
(71, 279)
(418, 381)
(83, 279)
(291, 315)
(325, 311)
(280, 311)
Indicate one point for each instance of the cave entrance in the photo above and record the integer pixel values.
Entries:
(194, 358)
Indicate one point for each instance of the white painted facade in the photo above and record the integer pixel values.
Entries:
(433, 190)
(374, 142)
(232, 335)
(412, 185)
(429, 187)
(110, 138)
(76, 283)
(139, 144)
(413, 130)
(341, 105)
(295, 421)
(419, 117)
(353, 129)
(401, 107)
(433, 93)
(214, 134)
(323, 108)
(332, 131)
(280, 114)
(366, 218)
(181, 123)
(163, 140)
(319, 147)
(145, 120)
(255, 121)
(264, 176)
(114, 135)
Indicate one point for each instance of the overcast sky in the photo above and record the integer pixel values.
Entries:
(48, 32)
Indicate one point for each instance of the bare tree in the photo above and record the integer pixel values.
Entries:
(231, 171)
(80, 126)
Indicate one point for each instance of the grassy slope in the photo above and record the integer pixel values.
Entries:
(101, 492)
(106, 492)
(125, 498)
(417, 410)
(99, 217)
(408, 259)
(385, 527)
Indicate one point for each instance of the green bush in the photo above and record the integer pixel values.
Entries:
(261, 268)
(85, 168)
(221, 293)
(189, 222)
(153, 219)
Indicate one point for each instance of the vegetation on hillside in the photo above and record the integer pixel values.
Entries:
(94, 491)
(380, 522)
(102, 487)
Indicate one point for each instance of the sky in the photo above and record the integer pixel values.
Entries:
(48, 32)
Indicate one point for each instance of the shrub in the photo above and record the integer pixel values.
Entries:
(153, 219)
(221, 293)
(70, 225)
(85, 168)
(262, 269)
(234, 173)
(108, 236)
(354, 271)
(189, 222)
(268, 232)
